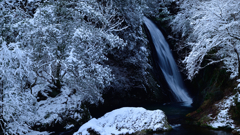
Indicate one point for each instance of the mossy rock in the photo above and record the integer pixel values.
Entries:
(203, 121)
(212, 85)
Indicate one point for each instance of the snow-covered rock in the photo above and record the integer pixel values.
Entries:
(223, 119)
(126, 120)
(62, 107)
(64, 110)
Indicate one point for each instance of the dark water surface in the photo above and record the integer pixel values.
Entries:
(193, 130)
(175, 113)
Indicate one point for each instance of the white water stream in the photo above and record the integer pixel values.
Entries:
(167, 64)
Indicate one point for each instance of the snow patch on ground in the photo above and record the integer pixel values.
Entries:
(126, 120)
(223, 119)
(49, 109)
(52, 109)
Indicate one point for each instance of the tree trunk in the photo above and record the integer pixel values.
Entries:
(2, 97)
(235, 50)
(1, 114)
(58, 81)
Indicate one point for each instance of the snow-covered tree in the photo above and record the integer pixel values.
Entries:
(55, 56)
(215, 26)
(18, 103)
(181, 21)
(60, 50)
(68, 43)
(66, 52)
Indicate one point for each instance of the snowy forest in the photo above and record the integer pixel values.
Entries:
(61, 58)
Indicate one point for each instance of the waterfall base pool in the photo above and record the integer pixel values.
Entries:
(176, 113)
(193, 130)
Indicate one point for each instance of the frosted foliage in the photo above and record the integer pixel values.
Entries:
(215, 24)
(181, 22)
(71, 51)
(18, 105)
(56, 49)
(23, 111)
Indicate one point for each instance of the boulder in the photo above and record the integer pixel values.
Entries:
(126, 120)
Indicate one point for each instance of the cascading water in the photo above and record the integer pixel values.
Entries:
(167, 64)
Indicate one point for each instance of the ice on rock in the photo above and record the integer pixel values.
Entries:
(126, 120)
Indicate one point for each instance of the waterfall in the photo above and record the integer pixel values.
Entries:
(167, 64)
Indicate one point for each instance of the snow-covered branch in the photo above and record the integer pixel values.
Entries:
(215, 25)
